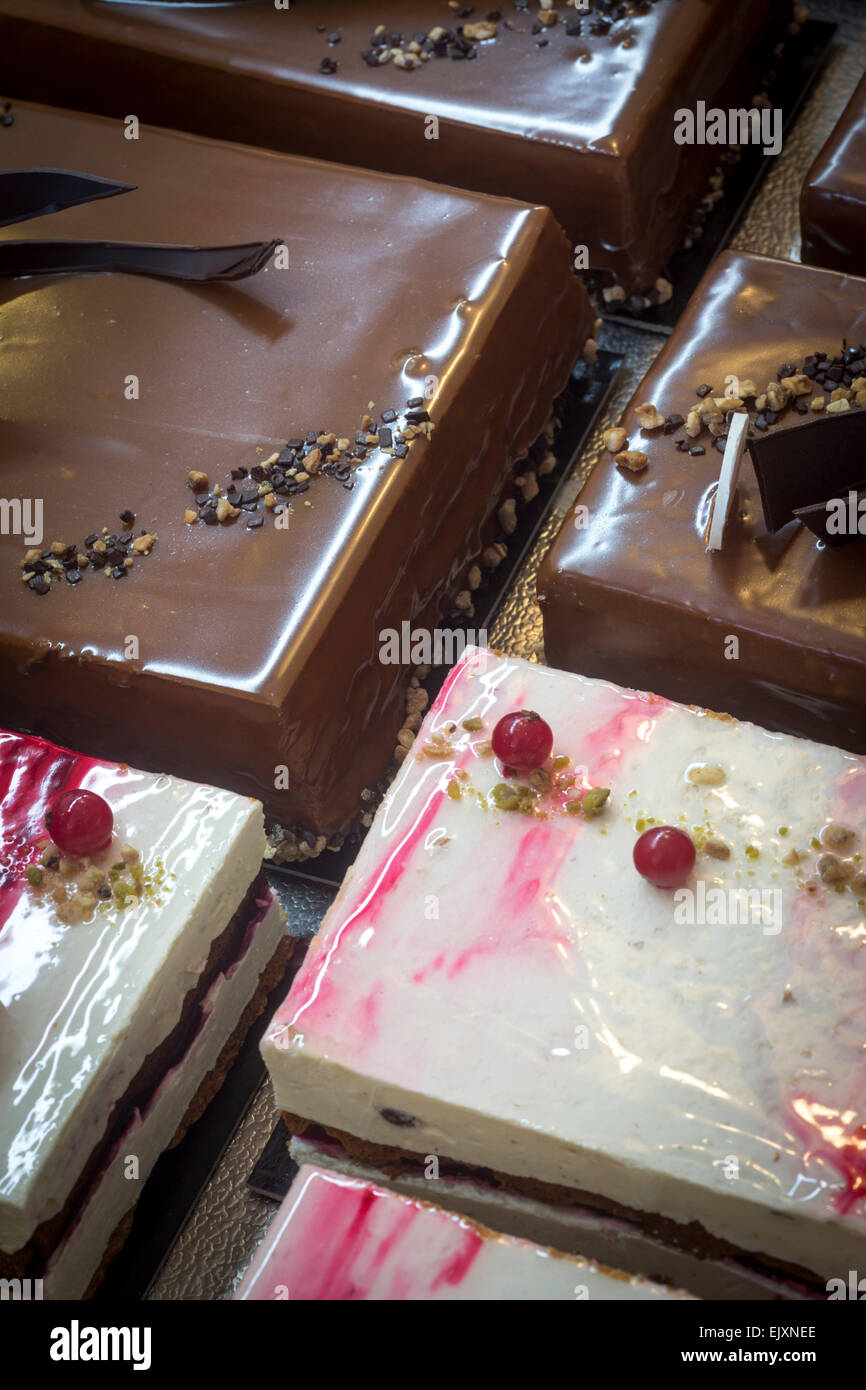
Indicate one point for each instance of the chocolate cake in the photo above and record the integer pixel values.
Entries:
(576, 111)
(833, 200)
(244, 484)
(771, 627)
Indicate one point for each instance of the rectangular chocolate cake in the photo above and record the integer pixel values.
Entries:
(339, 1238)
(625, 974)
(833, 200)
(772, 626)
(245, 484)
(138, 941)
(575, 111)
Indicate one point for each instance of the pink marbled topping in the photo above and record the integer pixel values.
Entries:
(339, 1239)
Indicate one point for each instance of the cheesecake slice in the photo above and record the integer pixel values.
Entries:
(627, 977)
(138, 941)
(338, 1238)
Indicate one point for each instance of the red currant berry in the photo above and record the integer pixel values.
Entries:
(664, 855)
(522, 740)
(80, 822)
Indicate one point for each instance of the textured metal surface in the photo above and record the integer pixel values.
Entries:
(228, 1222)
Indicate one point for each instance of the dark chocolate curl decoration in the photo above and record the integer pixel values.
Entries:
(809, 464)
(838, 520)
(26, 193)
(190, 263)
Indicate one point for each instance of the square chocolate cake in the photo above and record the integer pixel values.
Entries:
(771, 627)
(242, 485)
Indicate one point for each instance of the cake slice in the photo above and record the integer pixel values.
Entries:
(771, 627)
(577, 111)
(338, 1238)
(572, 1228)
(316, 456)
(138, 941)
(833, 199)
(502, 983)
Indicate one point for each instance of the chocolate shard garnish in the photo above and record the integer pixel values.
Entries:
(26, 193)
(839, 519)
(808, 464)
(190, 263)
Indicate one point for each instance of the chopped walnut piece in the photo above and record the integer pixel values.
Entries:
(190, 517)
(837, 407)
(694, 423)
(648, 417)
(837, 835)
(717, 849)
(706, 775)
(799, 385)
(664, 290)
(197, 480)
(225, 510)
(494, 555)
(508, 516)
(485, 29)
(833, 870)
(633, 460)
(143, 545)
(817, 404)
(615, 440)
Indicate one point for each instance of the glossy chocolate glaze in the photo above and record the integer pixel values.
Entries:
(259, 649)
(635, 597)
(584, 124)
(833, 200)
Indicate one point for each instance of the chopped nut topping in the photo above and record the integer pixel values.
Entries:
(633, 460)
(649, 418)
(197, 480)
(717, 849)
(615, 440)
(837, 835)
(706, 775)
